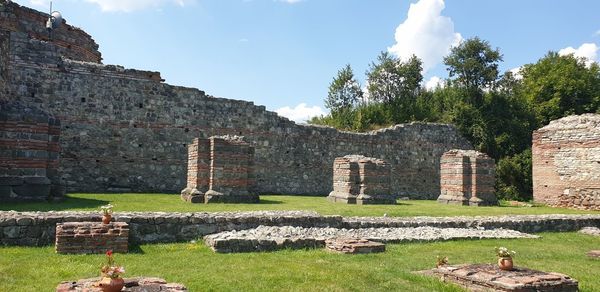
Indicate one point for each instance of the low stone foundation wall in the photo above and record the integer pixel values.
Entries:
(38, 228)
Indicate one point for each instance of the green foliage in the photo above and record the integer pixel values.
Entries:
(557, 86)
(497, 114)
(513, 175)
(475, 65)
(344, 93)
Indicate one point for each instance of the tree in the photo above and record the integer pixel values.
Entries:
(344, 93)
(475, 65)
(557, 86)
(395, 83)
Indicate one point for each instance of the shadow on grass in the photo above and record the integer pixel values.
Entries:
(269, 202)
(68, 203)
(136, 249)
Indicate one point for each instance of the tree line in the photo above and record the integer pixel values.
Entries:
(496, 112)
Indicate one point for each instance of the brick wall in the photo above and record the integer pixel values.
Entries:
(467, 178)
(566, 162)
(29, 154)
(91, 237)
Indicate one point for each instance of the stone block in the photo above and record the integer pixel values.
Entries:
(488, 277)
(354, 246)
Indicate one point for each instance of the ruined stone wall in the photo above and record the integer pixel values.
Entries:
(125, 131)
(73, 42)
(566, 162)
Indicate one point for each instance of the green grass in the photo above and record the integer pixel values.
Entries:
(40, 269)
(172, 203)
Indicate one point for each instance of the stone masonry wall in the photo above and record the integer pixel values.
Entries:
(73, 42)
(566, 162)
(467, 178)
(29, 154)
(125, 131)
(39, 228)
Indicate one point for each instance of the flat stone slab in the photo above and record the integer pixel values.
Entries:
(139, 284)
(595, 231)
(268, 238)
(353, 246)
(594, 254)
(488, 277)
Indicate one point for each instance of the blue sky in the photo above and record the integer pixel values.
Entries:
(284, 53)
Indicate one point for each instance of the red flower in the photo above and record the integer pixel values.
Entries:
(109, 253)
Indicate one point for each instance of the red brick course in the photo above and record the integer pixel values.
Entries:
(91, 237)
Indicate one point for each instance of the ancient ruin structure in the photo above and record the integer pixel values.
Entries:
(467, 178)
(29, 154)
(566, 162)
(361, 180)
(220, 169)
(91, 237)
(125, 130)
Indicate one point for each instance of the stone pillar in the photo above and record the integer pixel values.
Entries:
(361, 180)
(220, 169)
(198, 171)
(29, 154)
(467, 178)
(231, 175)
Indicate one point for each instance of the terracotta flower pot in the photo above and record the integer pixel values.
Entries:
(505, 263)
(112, 284)
(106, 218)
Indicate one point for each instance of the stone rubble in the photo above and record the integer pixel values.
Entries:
(266, 238)
(595, 231)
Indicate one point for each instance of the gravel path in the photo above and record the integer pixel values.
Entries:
(273, 237)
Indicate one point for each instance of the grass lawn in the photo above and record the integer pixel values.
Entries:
(193, 264)
(196, 266)
(172, 203)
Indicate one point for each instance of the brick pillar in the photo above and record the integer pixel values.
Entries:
(231, 175)
(198, 171)
(467, 178)
(361, 180)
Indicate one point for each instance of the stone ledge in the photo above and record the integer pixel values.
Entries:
(270, 238)
(488, 277)
(354, 246)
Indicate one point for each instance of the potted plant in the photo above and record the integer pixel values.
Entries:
(107, 211)
(505, 261)
(111, 275)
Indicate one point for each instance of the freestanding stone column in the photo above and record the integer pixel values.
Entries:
(566, 162)
(29, 154)
(220, 169)
(467, 178)
(361, 180)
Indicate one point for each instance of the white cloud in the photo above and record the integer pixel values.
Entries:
(589, 51)
(425, 33)
(517, 72)
(434, 82)
(300, 113)
(133, 5)
(597, 32)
